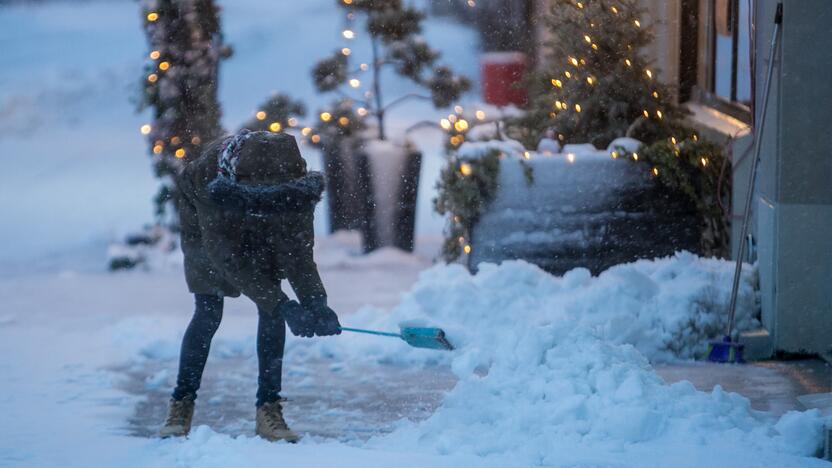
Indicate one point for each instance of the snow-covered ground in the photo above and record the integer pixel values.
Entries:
(547, 372)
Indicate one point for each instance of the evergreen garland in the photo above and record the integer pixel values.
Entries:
(694, 168)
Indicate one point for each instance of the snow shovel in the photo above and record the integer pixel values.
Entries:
(727, 350)
(430, 338)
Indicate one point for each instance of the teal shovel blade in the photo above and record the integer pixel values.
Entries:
(430, 338)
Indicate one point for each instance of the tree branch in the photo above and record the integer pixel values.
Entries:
(404, 98)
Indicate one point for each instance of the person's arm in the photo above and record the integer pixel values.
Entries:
(314, 313)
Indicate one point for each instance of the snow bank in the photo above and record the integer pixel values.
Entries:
(547, 363)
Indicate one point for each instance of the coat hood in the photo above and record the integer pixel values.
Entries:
(297, 195)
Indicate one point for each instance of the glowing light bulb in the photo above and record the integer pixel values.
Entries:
(363, 67)
(260, 115)
(655, 171)
(326, 116)
(152, 16)
(348, 34)
(704, 162)
(480, 115)
(467, 249)
(594, 46)
(175, 140)
(577, 108)
(458, 109)
(590, 80)
(465, 169)
(646, 114)
(573, 61)
(355, 83)
(316, 138)
(567, 74)
(659, 114)
(155, 54)
(180, 153)
(614, 10)
(343, 121)
(445, 123)
(648, 73)
(347, 2)
(145, 129)
(580, 5)
(637, 23)
(196, 140)
(635, 156)
(614, 154)
(461, 125)
(526, 155)
(673, 140)
(305, 131)
(157, 149)
(361, 111)
(558, 83)
(570, 157)
(275, 126)
(292, 121)
(628, 62)
(346, 51)
(656, 94)
(587, 39)
(152, 77)
(164, 66)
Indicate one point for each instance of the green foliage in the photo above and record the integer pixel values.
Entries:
(393, 29)
(342, 122)
(694, 169)
(594, 85)
(465, 196)
(279, 109)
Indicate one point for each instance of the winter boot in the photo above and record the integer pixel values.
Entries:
(271, 425)
(180, 414)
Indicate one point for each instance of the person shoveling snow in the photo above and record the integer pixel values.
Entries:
(246, 209)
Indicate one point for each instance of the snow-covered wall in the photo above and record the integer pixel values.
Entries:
(584, 209)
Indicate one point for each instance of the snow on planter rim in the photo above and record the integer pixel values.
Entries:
(546, 363)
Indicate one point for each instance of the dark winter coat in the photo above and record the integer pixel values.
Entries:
(245, 235)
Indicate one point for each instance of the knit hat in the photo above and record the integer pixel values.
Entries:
(261, 158)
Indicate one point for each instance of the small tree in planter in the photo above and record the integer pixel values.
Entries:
(393, 170)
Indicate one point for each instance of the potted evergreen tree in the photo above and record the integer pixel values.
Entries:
(387, 168)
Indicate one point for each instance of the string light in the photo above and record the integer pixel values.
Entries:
(656, 94)
(346, 51)
(526, 155)
(175, 140)
(646, 114)
(326, 116)
(656, 171)
(180, 153)
(292, 121)
(305, 131)
(347, 2)
(445, 124)
(594, 46)
(275, 126)
(614, 10)
(196, 140)
(472, 3)
(659, 114)
(461, 125)
(343, 121)
(580, 5)
(155, 54)
(363, 67)
(316, 138)
(355, 83)
(637, 23)
(635, 156)
(260, 115)
(157, 149)
(573, 61)
(480, 115)
(467, 249)
(590, 80)
(673, 140)
(164, 66)
(348, 34)
(570, 157)
(458, 109)
(556, 82)
(614, 154)
(587, 39)
(361, 111)
(704, 162)
(152, 77)
(145, 129)
(152, 16)
(567, 74)
(577, 108)
(628, 62)
(648, 73)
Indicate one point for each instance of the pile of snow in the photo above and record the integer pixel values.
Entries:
(548, 363)
(472, 150)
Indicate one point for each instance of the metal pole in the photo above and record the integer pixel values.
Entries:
(752, 177)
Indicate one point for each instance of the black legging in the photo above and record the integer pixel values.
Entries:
(271, 338)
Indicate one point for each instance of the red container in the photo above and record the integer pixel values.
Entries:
(502, 78)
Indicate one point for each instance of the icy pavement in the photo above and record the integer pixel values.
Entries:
(331, 399)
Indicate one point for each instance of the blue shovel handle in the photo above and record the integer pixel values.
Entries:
(370, 332)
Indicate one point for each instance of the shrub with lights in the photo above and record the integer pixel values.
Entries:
(594, 85)
(180, 84)
(393, 31)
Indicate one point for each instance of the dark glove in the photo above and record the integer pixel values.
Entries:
(326, 322)
(315, 318)
(300, 322)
